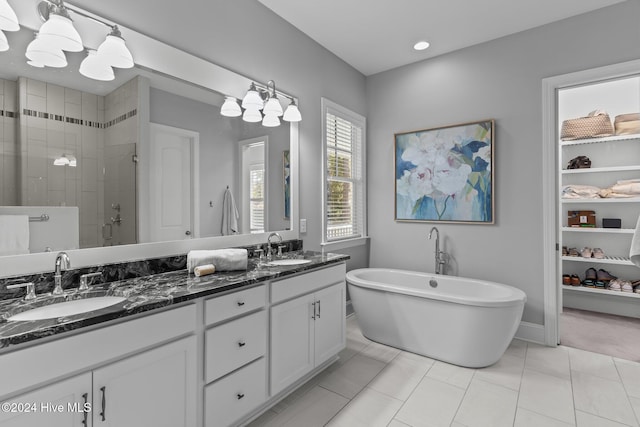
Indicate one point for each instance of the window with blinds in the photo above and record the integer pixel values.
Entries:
(344, 186)
(256, 200)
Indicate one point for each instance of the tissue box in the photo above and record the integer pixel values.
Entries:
(581, 218)
(611, 223)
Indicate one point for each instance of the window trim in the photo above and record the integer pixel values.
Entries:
(328, 106)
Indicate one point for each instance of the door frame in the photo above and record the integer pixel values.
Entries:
(550, 185)
(194, 142)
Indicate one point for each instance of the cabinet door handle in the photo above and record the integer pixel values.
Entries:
(313, 304)
(85, 397)
(103, 414)
(240, 303)
(241, 343)
(240, 395)
(318, 308)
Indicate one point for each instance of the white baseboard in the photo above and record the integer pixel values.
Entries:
(531, 332)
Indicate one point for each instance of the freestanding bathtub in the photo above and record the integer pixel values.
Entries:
(461, 321)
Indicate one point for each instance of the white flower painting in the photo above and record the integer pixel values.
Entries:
(445, 174)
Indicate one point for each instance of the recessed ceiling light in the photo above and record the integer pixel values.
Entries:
(421, 45)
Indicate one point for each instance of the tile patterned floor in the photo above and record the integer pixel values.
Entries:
(532, 385)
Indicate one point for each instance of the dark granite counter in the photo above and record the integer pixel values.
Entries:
(143, 294)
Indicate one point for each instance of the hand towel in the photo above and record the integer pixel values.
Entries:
(222, 259)
(229, 214)
(14, 234)
(634, 253)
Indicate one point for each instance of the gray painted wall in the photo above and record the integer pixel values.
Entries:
(500, 79)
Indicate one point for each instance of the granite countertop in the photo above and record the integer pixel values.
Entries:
(144, 294)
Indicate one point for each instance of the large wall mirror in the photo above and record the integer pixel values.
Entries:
(144, 159)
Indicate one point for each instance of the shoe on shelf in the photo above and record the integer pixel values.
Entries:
(625, 286)
(605, 276)
(586, 252)
(573, 252)
(575, 280)
(636, 289)
(614, 285)
(565, 251)
(566, 279)
(598, 253)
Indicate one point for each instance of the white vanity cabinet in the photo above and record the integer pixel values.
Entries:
(307, 324)
(154, 386)
(235, 351)
(59, 405)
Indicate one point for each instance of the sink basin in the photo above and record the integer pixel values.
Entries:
(289, 262)
(67, 308)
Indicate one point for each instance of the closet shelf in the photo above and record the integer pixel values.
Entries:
(611, 200)
(603, 169)
(600, 292)
(598, 230)
(618, 260)
(597, 140)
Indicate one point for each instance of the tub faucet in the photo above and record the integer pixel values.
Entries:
(269, 250)
(62, 261)
(440, 255)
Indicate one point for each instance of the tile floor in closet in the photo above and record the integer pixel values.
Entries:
(532, 385)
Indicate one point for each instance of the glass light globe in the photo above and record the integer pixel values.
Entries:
(271, 120)
(60, 32)
(292, 114)
(252, 115)
(42, 52)
(115, 52)
(273, 106)
(230, 108)
(252, 99)
(94, 67)
(8, 18)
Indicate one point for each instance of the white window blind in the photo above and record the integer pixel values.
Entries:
(256, 200)
(345, 185)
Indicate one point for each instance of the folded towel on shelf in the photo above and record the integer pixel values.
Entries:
(14, 234)
(575, 191)
(222, 259)
(634, 252)
(623, 188)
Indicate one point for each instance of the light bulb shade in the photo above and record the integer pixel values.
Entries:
(8, 18)
(73, 162)
(230, 108)
(4, 43)
(252, 115)
(273, 106)
(271, 120)
(41, 52)
(252, 99)
(94, 67)
(115, 52)
(60, 32)
(292, 114)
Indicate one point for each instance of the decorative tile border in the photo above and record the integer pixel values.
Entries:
(72, 120)
(9, 114)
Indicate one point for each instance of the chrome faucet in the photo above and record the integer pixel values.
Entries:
(269, 250)
(440, 255)
(62, 261)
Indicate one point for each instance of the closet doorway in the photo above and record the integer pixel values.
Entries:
(583, 253)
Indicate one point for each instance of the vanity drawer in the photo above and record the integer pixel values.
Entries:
(231, 305)
(235, 396)
(233, 344)
(307, 282)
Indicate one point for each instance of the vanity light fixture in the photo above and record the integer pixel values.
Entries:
(263, 98)
(57, 34)
(65, 160)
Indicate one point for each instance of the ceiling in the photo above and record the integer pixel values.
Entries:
(377, 35)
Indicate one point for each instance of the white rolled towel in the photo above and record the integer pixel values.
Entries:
(222, 259)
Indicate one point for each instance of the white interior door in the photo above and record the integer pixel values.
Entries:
(173, 166)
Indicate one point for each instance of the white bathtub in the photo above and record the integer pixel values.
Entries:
(461, 321)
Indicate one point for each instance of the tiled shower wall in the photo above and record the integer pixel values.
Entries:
(41, 121)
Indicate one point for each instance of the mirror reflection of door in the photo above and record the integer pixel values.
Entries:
(253, 185)
(173, 198)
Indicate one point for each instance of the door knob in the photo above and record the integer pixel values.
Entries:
(188, 233)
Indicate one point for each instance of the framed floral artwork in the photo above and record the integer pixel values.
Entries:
(446, 174)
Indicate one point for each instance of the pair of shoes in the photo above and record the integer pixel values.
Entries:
(587, 252)
(598, 253)
(625, 286)
(590, 277)
(604, 276)
(614, 285)
(574, 280)
(566, 279)
(573, 252)
(565, 251)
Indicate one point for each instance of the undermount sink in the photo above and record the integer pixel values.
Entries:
(67, 308)
(289, 262)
